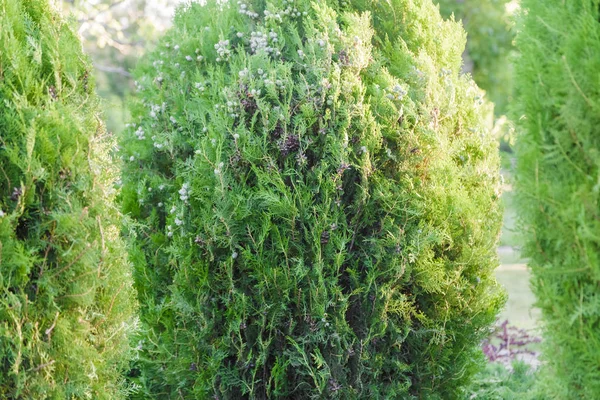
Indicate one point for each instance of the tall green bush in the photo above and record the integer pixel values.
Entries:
(316, 192)
(558, 144)
(489, 47)
(66, 301)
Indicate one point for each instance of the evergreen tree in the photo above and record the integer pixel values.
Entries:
(489, 45)
(558, 146)
(66, 303)
(316, 190)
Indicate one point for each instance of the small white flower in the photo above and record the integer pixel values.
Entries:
(172, 119)
(321, 43)
(172, 210)
(1, 213)
(132, 158)
(189, 58)
(363, 149)
(184, 192)
(176, 47)
(236, 136)
(234, 255)
(140, 133)
(239, 34)
(223, 50)
(204, 130)
(301, 53)
(178, 222)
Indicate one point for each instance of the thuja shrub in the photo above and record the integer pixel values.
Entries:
(489, 47)
(314, 191)
(557, 186)
(66, 301)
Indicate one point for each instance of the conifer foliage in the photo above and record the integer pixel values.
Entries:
(66, 301)
(558, 144)
(489, 45)
(316, 192)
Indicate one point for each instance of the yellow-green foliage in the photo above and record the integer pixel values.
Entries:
(66, 301)
(489, 45)
(317, 193)
(558, 148)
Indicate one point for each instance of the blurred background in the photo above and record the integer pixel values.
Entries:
(116, 33)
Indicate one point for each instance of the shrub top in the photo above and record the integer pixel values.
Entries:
(489, 45)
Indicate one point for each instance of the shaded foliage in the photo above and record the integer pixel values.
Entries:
(558, 146)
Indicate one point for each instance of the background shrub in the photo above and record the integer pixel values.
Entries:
(557, 185)
(65, 285)
(490, 34)
(315, 190)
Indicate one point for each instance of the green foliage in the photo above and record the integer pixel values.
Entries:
(489, 45)
(316, 194)
(558, 146)
(497, 382)
(66, 303)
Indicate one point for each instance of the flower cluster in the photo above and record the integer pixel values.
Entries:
(156, 109)
(140, 133)
(289, 11)
(260, 41)
(184, 192)
(397, 93)
(243, 9)
(223, 50)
